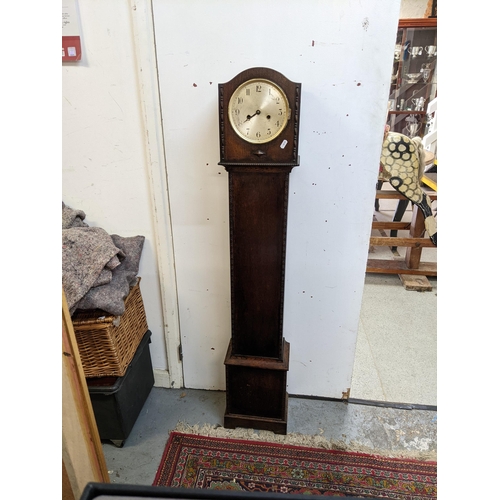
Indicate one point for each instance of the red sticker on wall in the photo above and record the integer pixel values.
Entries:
(71, 48)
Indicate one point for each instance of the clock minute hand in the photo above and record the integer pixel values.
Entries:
(250, 117)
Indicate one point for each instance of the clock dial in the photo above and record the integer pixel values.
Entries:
(258, 111)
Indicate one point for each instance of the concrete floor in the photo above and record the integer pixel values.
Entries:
(396, 351)
(396, 358)
(392, 431)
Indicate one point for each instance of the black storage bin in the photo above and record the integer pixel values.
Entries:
(117, 401)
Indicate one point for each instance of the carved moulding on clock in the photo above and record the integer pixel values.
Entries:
(282, 151)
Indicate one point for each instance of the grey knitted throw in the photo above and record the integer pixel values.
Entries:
(97, 269)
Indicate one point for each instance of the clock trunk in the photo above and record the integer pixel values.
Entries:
(258, 208)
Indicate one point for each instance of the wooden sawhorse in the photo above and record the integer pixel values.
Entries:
(411, 270)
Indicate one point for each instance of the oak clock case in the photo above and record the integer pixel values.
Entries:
(259, 113)
(267, 104)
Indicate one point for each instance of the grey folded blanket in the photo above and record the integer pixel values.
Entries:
(111, 296)
(72, 218)
(97, 269)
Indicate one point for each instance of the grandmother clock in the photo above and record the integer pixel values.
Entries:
(259, 130)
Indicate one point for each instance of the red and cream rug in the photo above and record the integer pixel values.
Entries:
(195, 461)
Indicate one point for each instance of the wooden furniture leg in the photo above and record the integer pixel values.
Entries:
(411, 270)
(398, 214)
(377, 202)
(417, 230)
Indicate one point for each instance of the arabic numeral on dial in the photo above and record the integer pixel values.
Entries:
(240, 100)
(258, 88)
(248, 131)
(269, 131)
(278, 123)
(280, 112)
(236, 112)
(247, 91)
(258, 135)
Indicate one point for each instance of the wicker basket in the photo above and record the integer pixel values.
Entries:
(107, 350)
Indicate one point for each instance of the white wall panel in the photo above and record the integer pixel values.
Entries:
(342, 53)
(104, 165)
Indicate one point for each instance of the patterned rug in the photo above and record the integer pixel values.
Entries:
(192, 461)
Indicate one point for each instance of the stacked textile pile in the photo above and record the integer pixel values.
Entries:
(98, 269)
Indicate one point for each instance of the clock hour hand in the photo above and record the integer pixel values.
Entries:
(250, 117)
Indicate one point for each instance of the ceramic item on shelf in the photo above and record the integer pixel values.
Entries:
(413, 126)
(412, 129)
(431, 50)
(416, 51)
(426, 72)
(397, 51)
(418, 102)
(413, 77)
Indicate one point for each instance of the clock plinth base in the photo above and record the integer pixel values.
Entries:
(256, 394)
(278, 426)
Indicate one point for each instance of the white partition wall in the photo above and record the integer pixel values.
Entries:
(342, 53)
(112, 164)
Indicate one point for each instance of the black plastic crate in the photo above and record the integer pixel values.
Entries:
(117, 401)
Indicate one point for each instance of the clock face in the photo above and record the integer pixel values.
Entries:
(258, 111)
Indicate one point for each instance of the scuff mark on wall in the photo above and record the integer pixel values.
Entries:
(116, 102)
(365, 23)
(325, 44)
